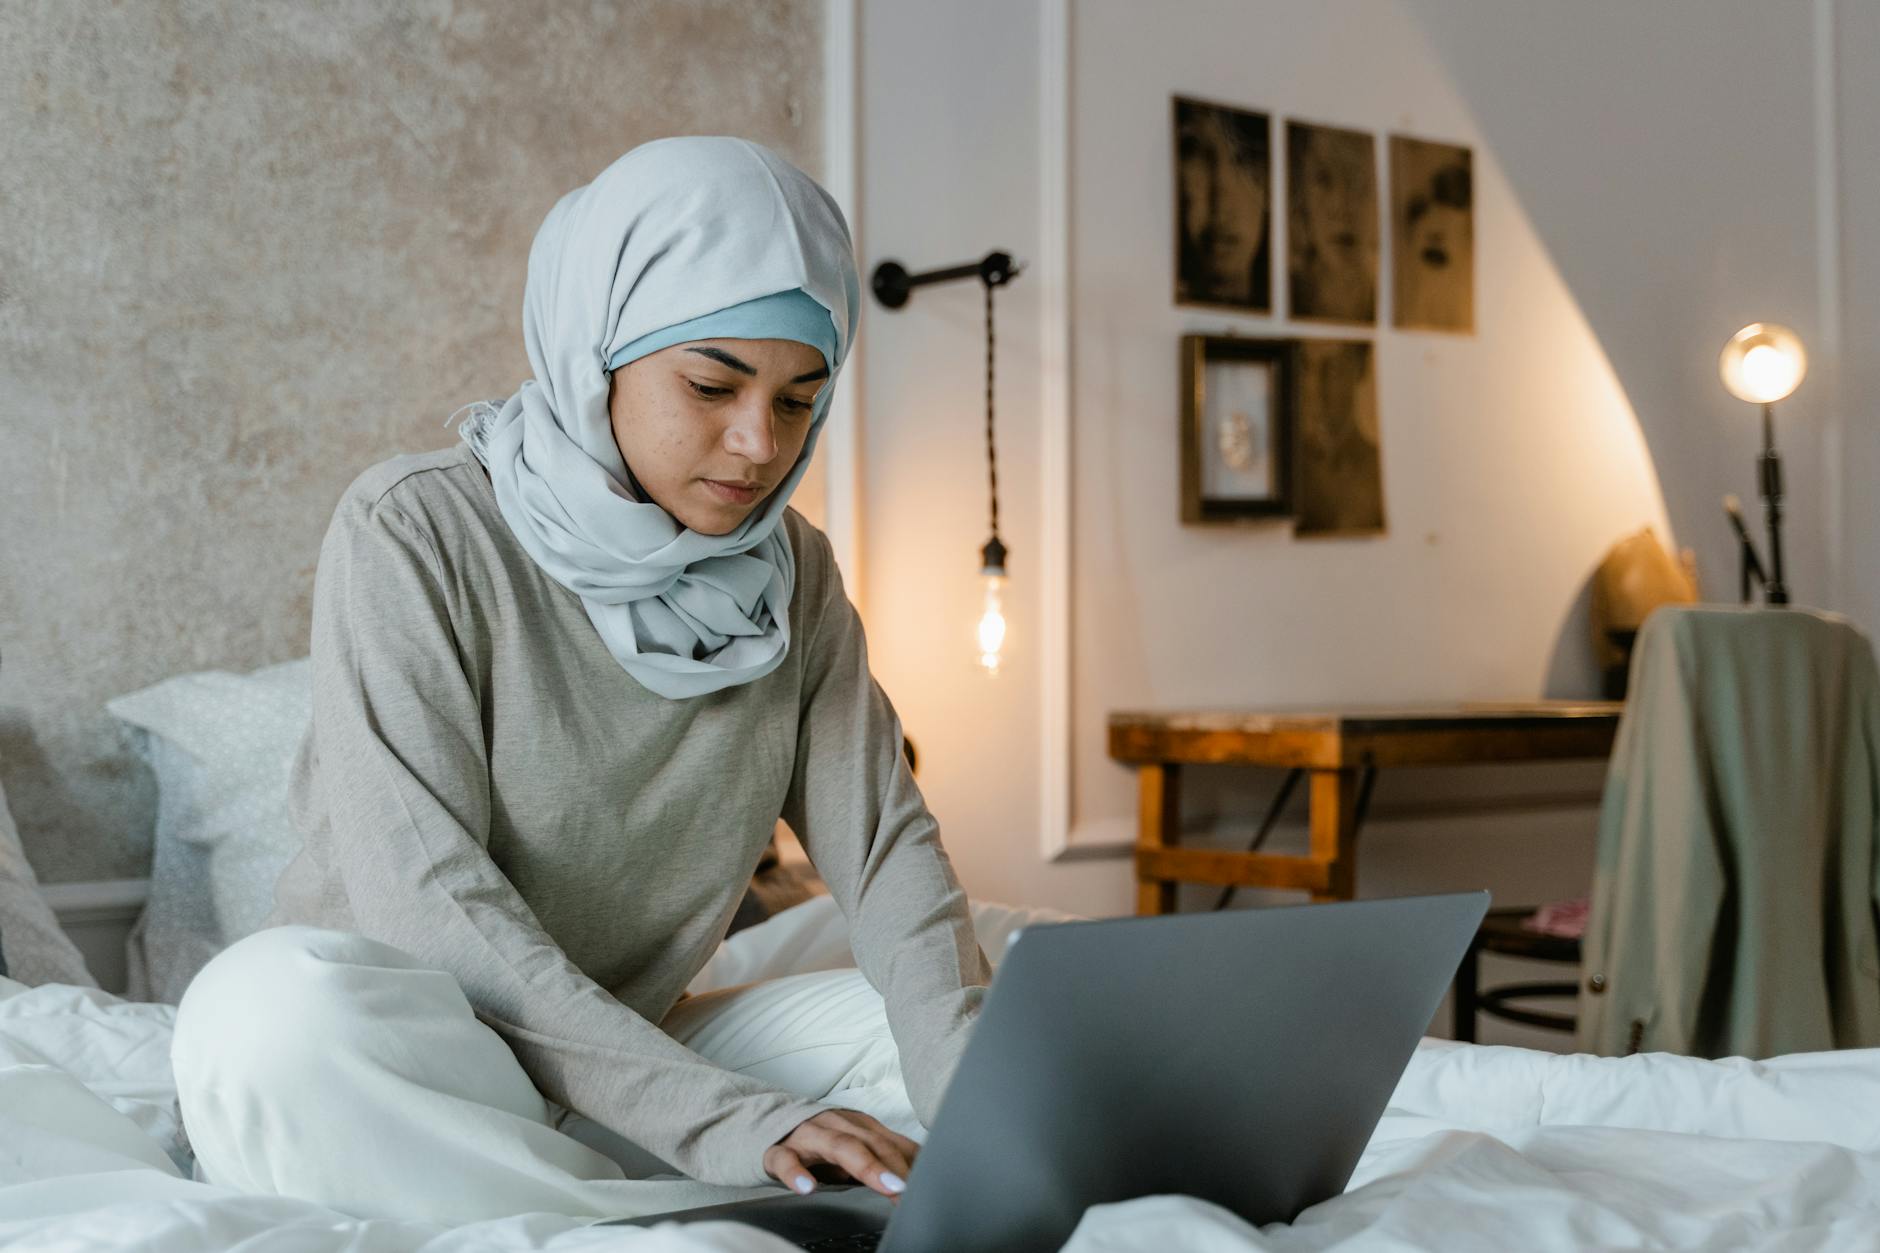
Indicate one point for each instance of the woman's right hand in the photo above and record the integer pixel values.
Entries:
(842, 1145)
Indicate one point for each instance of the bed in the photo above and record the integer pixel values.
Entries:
(1481, 1148)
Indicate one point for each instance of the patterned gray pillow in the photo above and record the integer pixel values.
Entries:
(221, 746)
(34, 948)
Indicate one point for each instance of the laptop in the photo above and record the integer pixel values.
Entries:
(1243, 1057)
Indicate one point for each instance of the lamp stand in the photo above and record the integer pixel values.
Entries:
(1769, 468)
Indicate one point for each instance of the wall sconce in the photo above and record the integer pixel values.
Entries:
(1764, 363)
(892, 285)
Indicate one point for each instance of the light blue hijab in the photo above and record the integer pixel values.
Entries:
(698, 237)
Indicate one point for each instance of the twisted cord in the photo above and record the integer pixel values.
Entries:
(992, 456)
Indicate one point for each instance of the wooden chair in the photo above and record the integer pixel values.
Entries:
(1501, 932)
(1746, 755)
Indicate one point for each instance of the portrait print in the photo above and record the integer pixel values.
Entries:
(1432, 235)
(1341, 480)
(1236, 428)
(1223, 184)
(1331, 223)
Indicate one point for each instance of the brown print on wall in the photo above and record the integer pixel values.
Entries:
(1340, 480)
(1331, 223)
(1223, 197)
(1432, 196)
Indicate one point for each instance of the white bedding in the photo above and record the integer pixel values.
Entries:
(1483, 1148)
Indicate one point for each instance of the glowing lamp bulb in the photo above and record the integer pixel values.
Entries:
(1763, 363)
(992, 625)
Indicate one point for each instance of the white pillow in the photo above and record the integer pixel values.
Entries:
(222, 746)
(34, 949)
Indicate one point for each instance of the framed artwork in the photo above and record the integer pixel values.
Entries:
(1340, 486)
(1236, 438)
(1223, 196)
(1331, 224)
(1432, 222)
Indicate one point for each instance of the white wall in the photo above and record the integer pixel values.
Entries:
(1511, 458)
(1667, 155)
(949, 142)
(1645, 184)
(1856, 36)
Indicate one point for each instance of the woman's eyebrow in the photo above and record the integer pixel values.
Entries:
(724, 358)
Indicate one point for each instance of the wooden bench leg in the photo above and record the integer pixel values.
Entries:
(1335, 832)
(1158, 826)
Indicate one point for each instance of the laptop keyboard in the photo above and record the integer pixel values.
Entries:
(859, 1242)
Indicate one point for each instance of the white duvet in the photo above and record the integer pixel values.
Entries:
(1482, 1148)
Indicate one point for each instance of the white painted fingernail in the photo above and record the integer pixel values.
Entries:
(805, 1184)
(892, 1182)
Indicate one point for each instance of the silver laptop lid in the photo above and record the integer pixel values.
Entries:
(1243, 1057)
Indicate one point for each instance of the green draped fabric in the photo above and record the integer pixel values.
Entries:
(1736, 892)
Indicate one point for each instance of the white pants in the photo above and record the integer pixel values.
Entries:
(326, 1066)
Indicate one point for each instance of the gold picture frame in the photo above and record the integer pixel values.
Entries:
(1236, 428)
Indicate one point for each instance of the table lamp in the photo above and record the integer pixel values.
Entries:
(1764, 363)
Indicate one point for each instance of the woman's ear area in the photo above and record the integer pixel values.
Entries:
(617, 389)
(617, 405)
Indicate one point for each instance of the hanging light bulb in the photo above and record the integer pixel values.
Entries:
(995, 271)
(892, 284)
(992, 618)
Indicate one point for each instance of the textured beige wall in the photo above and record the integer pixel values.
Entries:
(249, 248)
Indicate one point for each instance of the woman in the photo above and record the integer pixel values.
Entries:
(567, 676)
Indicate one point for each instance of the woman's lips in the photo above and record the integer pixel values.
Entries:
(732, 495)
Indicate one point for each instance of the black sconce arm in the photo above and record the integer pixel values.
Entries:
(892, 283)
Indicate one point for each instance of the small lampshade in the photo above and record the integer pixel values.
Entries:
(1763, 363)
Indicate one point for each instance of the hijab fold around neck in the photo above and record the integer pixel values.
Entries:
(669, 237)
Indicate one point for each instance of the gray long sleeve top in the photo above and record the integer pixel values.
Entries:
(484, 787)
